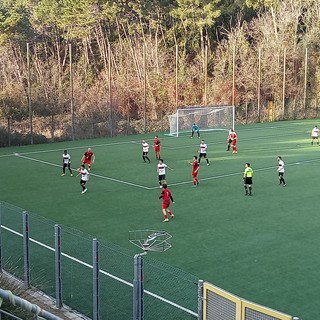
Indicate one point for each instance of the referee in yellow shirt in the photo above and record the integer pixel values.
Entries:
(247, 179)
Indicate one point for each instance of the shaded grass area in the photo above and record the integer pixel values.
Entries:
(262, 248)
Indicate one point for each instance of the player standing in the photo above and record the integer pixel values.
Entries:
(247, 179)
(84, 178)
(161, 169)
(166, 198)
(156, 145)
(281, 172)
(195, 128)
(315, 134)
(88, 158)
(233, 136)
(66, 163)
(203, 151)
(145, 150)
(195, 169)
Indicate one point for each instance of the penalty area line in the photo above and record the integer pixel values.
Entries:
(92, 174)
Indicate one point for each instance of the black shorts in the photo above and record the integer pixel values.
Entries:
(248, 180)
(204, 155)
(281, 174)
(162, 177)
(83, 182)
(144, 154)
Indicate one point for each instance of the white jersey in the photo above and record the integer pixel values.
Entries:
(280, 166)
(66, 158)
(84, 174)
(203, 148)
(161, 169)
(145, 147)
(315, 132)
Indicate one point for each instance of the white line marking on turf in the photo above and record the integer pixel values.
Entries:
(101, 271)
(92, 174)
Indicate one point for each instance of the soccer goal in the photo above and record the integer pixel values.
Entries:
(207, 118)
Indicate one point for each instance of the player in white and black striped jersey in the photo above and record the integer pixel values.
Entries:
(66, 163)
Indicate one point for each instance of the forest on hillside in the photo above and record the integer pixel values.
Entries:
(72, 69)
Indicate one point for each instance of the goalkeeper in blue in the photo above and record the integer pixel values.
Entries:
(195, 128)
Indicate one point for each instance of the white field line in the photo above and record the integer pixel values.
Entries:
(102, 271)
(92, 174)
(163, 138)
(177, 183)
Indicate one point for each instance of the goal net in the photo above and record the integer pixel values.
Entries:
(207, 118)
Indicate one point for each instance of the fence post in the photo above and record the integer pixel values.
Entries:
(26, 251)
(138, 308)
(57, 263)
(200, 299)
(95, 275)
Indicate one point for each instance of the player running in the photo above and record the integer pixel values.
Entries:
(203, 152)
(281, 172)
(195, 169)
(66, 163)
(233, 136)
(84, 178)
(166, 198)
(315, 134)
(88, 158)
(161, 169)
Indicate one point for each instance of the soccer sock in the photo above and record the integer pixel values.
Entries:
(207, 160)
(147, 159)
(170, 212)
(250, 189)
(165, 216)
(144, 158)
(282, 180)
(246, 189)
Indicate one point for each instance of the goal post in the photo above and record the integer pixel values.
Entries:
(207, 118)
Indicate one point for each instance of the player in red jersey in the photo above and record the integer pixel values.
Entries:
(88, 158)
(166, 198)
(233, 136)
(156, 145)
(195, 170)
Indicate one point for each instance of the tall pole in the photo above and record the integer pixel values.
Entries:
(233, 75)
(71, 92)
(305, 83)
(109, 88)
(144, 90)
(284, 83)
(259, 83)
(29, 93)
(177, 66)
(205, 74)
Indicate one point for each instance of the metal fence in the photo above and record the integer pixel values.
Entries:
(90, 276)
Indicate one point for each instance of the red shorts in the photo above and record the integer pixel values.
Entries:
(157, 148)
(87, 161)
(194, 174)
(165, 205)
(234, 142)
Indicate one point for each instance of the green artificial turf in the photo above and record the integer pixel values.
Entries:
(262, 248)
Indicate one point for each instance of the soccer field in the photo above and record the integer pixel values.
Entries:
(263, 248)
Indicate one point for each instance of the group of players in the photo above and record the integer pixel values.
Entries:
(87, 159)
(166, 195)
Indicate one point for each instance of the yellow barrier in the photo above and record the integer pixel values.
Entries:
(219, 304)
